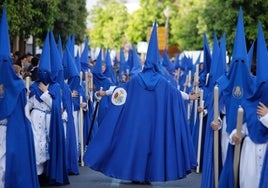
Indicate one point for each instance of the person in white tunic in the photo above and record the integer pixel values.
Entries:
(40, 119)
(44, 108)
(255, 137)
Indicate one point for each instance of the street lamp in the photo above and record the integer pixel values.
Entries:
(167, 13)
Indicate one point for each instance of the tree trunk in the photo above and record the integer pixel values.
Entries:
(15, 44)
(22, 45)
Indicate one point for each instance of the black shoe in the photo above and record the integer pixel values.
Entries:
(141, 182)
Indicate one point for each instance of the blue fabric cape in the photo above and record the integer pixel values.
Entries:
(71, 145)
(258, 133)
(20, 152)
(56, 166)
(20, 155)
(226, 179)
(147, 138)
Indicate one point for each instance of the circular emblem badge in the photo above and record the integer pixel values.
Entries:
(237, 92)
(119, 96)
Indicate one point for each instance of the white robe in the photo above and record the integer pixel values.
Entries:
(3, 130)
(224, 140)
(40, 120)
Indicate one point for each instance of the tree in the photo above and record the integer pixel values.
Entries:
(221, 17)
(35, 17)
(28, 17)
(71, 19)
(109, 20)
(186, 24)
(143, 18)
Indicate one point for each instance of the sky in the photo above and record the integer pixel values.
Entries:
(131, 5)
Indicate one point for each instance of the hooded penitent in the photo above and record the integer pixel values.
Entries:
(20, 168)
(142, 137)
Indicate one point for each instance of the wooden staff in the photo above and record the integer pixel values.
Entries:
(90, 85)
(196, 78)
(239, 123)
(216, 136)
(200, 132)
(81, 78)
(87, 84)
(178, 76)
(189, 78)
(81, 132)
(27, 84)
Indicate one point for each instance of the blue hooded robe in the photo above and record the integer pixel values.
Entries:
(20, 167)
(146, 139)
(142, 137)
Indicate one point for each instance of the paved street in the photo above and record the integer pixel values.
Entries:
(89, 178)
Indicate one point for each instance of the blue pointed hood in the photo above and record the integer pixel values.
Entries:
(109, 71)
(150, 75)
(250, 55)
(153, 51)
(122, 64)
(206, 63)
(136, 62)
(222, 66)
(78, 61)
(240, 84)
(84, 57)
(44, 68)
(5, 42)
(262, 57)
(70, 69)
(10, 84)
(99, 79)
(239, 49)
(56, 65)
(70, 45)
(214, 63)
(59, 45)
(97, 68)
(167, 63)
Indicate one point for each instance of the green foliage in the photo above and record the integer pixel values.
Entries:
(110, 21)
(143, 18)
(36, 17)
(112, 25)
(186, 25)
(30, 17)
(71, 19)
(221, 16)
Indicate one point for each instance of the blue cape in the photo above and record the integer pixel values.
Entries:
(20, 152)
(56, 166)
(258, 133)
(71, 145)
(146, 138)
